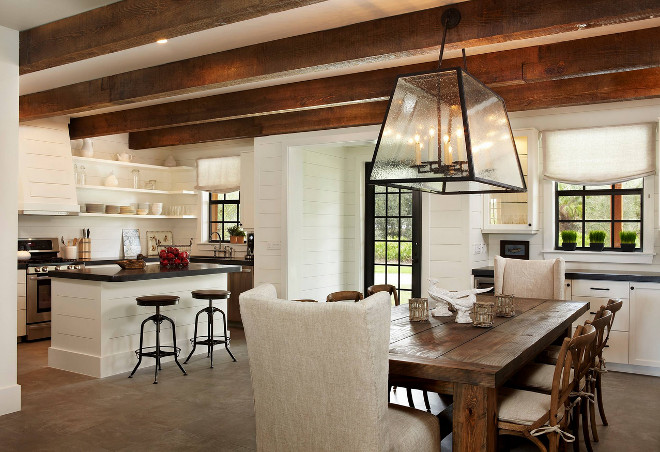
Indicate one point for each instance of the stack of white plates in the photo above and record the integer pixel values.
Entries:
(110, 209)
(126, 210)
(94, 208)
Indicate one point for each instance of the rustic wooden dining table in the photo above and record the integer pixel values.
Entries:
(472, 363)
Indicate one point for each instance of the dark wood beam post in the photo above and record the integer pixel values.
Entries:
(132, 23)
(484, 22)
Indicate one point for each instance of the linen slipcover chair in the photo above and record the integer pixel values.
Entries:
(530, 279)
(319, 375)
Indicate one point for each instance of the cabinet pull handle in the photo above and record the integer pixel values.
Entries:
(592, 313)
(598, 288)
(632, 288)
(568, 285)
(606, 346)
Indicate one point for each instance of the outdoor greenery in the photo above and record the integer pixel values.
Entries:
(597, 236)
(569, 236)
(628, 236)
(392, 252)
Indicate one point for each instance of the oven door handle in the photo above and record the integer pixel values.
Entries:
(39, 278)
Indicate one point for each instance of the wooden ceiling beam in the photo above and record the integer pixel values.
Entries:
(484, 22)
(132, 23)
(612, 53)
(637, 84)
(258, 126)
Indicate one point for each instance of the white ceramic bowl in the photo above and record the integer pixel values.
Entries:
(157, 208)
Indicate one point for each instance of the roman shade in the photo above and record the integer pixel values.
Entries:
(600, 155)
(219, 175)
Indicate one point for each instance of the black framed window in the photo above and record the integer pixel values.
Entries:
(393, 236)
(224, 212)
(609, 208)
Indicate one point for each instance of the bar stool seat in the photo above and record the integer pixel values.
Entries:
(210, 340)
(159, 351)
(211, 294)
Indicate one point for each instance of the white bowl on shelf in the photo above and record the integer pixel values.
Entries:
(157, 208)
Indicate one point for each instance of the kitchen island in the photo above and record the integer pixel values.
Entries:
(96, 321)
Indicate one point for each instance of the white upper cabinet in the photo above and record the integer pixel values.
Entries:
(517, 212)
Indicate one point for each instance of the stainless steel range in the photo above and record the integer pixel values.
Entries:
(44, 259)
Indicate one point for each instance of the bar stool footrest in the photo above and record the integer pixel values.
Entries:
(217, 340)
(165, 350)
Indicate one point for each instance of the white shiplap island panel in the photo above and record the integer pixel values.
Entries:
(96, 324)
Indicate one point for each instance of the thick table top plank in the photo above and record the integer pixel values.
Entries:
(441, 349)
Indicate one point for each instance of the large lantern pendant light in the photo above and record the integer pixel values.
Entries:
(446, 132)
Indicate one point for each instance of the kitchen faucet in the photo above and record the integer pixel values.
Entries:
(226, 250)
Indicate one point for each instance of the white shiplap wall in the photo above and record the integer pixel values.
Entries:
(329, 222)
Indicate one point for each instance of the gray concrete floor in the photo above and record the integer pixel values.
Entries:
(211, 409)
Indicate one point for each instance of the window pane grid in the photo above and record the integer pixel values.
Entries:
(224, 212)
(611, 208)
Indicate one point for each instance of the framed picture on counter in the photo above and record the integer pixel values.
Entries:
(132, 245)
(514, 249)
(156, 238)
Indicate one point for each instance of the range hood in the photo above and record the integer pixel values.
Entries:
(45, 170)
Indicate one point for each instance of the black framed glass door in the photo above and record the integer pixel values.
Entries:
(393, 238)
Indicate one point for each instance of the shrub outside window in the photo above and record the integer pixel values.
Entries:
(609, 208)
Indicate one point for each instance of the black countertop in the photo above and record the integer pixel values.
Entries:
(113, 273)
(24, 265)
(222, 260)
(614, 275)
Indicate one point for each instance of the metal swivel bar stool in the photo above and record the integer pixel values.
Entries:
(210, 340)
(158, 351)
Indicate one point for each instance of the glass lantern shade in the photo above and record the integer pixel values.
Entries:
(446, 132)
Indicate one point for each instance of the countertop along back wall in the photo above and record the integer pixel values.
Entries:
(106, 232)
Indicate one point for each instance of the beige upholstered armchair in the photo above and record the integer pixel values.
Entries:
(530, 279)
(319, 375)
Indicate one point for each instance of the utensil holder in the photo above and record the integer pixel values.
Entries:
(85, 249)
(70, 252)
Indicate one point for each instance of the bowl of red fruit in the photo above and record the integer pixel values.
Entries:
(173, 258)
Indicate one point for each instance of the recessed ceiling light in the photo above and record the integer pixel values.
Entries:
(162, 41)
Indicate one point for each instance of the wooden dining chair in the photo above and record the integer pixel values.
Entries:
(384, 288)
(613, 306)
(345, 295)
(602, 323)
(531, 414)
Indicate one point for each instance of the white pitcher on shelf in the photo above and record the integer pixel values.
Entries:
(124, 157)
(170, 161)
(111, 180)
(87, 149)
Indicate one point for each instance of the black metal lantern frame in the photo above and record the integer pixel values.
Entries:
(446, 132)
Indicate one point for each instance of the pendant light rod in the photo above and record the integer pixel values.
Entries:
(450, 19)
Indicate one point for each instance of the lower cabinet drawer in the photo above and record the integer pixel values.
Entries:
(616, 350)
(600, 289)
(20, 302)
(20, 323)
(621, 320)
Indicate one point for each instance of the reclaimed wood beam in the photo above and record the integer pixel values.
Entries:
(629, 85)
(258, 126)
(132, 23)
(484, 22)
(604, 54)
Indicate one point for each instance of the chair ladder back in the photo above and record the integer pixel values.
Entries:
(613, 305)
(602, 323)
(384, 288)
(561, 380)
(581, 348)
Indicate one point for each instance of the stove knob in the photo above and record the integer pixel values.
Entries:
(57, 267)
(78, 267)
(70, 267)
(44, 269)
